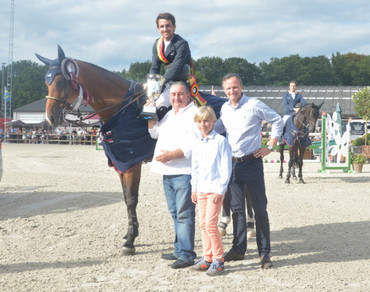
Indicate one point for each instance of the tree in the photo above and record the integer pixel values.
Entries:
(250, 73)
(345, 67)
(212, 69)
(362, 106)
(139, 70)
(280, 71)
(28, 83)
(316, 71)
(361, 76)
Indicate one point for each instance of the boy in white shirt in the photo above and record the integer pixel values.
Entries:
(211, 171)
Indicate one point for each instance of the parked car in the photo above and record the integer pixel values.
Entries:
(358, 128)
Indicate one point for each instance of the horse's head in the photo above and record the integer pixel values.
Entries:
(308, 116)
(61, 93)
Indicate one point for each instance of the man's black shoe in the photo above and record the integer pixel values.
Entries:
(169, 257)
(179, 264)
(266, 262)
(233, 255)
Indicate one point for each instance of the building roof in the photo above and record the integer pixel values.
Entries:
(271, 95)
(330, 95)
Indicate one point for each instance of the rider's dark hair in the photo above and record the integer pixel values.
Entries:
(167, 16)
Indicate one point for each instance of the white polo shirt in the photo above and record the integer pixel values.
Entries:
(175, 131)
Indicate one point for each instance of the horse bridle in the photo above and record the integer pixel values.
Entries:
(69, 108)
(305, 125)
(63, 101)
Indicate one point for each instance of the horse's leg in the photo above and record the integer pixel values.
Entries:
(281, 150)
(130, 185)
(295, 163)
(225, 219)
(300, 164)
(290, 164)
(250, 217)
(293, 173)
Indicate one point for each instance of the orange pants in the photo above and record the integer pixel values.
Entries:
(208, 217)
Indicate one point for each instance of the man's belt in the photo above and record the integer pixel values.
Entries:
(244, 158)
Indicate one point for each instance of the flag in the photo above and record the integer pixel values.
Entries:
(6, 94)
(213, 91)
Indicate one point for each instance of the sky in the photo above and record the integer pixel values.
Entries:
(113, 34)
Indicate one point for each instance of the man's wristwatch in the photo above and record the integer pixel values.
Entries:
(269, 147)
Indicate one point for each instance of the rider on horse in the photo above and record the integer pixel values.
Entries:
(291, 99)
(173, 52)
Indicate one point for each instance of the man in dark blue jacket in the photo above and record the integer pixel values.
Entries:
(291, 99)
(171, 51)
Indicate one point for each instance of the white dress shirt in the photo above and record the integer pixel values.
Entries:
(243, 124)
(211, 164)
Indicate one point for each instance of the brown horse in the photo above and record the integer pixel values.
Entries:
(70, 81)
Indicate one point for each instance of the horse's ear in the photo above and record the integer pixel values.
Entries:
(318, 106)
(46, 61)
(61, 55)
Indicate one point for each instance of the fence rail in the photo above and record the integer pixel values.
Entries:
(88, 139)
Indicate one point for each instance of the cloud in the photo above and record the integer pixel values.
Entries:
(113, 34)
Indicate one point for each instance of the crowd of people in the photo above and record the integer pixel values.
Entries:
(61, 135)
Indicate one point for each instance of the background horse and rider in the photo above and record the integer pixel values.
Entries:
(296, 136)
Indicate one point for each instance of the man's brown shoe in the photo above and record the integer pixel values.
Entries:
(266, 262)
(233, 255)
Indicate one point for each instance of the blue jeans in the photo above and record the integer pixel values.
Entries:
(249, 174)
(177, 189)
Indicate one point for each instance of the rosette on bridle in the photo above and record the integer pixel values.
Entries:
(71, 71)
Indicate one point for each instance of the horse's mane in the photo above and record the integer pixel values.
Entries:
(104, 72)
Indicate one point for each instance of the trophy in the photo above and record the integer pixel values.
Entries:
(153, 84)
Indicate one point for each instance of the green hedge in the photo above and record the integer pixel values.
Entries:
(361, 140)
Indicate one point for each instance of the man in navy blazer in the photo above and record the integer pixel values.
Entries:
(171, 51)
(291, 100)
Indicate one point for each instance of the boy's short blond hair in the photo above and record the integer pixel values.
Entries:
(205, 113)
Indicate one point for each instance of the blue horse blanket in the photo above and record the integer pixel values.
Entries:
(291, 134)
(126, 140)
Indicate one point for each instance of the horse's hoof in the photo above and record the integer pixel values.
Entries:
(250, 233)
(301, 181)
(287, 181)
(127, 251)
(294, 177)
(280, 176)
(222, 231)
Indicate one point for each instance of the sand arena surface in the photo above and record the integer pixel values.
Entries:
(62, 218)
